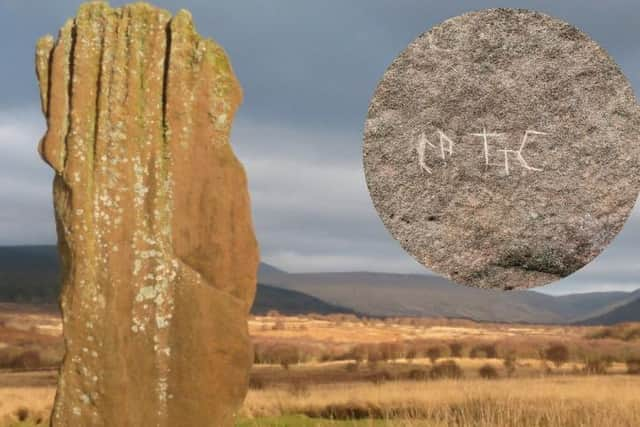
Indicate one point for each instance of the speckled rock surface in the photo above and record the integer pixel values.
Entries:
(153, 218)
(502, 149)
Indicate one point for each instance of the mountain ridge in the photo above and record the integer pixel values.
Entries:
(31, 274)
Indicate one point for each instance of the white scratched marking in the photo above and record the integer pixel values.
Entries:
(506, 159)
(446, 147)
(422, 145)
(524, 141)
(484, 136)
(444, 138)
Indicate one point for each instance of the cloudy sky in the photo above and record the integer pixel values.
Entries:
(308, 69)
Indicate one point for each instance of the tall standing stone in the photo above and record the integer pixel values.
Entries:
(153, 218)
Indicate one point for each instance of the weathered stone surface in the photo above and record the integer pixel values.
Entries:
(539, 200)
(153, 219)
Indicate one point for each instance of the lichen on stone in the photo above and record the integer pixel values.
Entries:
(138, 194)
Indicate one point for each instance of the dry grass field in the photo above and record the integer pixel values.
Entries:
(340, 370)
(557, 401)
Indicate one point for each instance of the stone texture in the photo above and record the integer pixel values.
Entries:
(522, 212)
(153, 218)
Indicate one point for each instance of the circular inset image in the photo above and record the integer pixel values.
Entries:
(502, 149)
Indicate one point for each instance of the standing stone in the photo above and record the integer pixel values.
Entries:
(153, 218)
(502, 149)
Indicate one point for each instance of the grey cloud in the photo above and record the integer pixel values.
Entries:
(25, 181)
(314, 64)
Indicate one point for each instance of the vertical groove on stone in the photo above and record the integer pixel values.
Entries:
(152, 211)
(44, 47)
(53, 144)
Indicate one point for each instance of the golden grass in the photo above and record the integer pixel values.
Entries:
(374, 331)
(323, 387)
(37, 400)
(606, 401)
(602, 401)
(547, 401)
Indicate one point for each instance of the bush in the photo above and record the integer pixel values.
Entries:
(509, 363)
(558, 354)
(279, 325)
(418, 374)
(22, 414)
(412, 353)
(256, 383)
(484, 350)
(358, 353)
(456, 349)
(633, 366)
(596, 366)
(623, 331)
(298, 388)
(391, 350)
(488, 372)
(351, 367)
(281, 354)
(27, 360)
(374, 355)
(446, 369)
(380, 377)
(433, 353)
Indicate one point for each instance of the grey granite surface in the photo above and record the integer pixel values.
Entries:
(502, 149)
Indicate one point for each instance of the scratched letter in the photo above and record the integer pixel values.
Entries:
(485, 140)
(422, 146)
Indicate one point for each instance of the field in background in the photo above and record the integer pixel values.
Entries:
(340, 370)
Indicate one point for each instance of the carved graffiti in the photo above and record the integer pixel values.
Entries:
(446, 145)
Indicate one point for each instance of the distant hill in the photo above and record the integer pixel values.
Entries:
(629, 312)
(383, 294)
(31, 274)
(291, 302)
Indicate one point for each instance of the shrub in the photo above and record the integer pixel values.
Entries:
(256, 383)
(632, 334)
(623, 331)
(509, 363)
(28, 360)
(279, 325)
(412, 353)
(433, 353)
(488, 372)
(558, 354)
(374, 355)
(418, 374)
(298, 388)
(456, 349)
(381, 377)
(484, 350)
(351, 367)
(390, 350)
(22, 414)
(596, 366)
(633, 366)
(446, 369)
(358, 353)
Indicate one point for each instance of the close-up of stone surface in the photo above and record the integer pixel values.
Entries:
(153, 218)
(502, 149)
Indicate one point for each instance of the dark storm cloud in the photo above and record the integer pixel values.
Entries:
(308, 69)
(312, 63)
